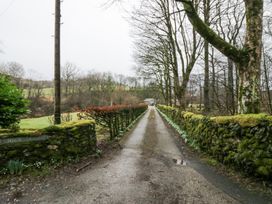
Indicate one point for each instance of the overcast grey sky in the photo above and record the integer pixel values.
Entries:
(93, 37)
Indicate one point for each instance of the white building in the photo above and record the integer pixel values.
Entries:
(150, 101)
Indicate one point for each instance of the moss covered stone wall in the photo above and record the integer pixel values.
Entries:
(50, 144)
(241, 141)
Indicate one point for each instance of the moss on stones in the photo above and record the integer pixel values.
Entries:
(241, 141)
(244, 120)
(67, 140)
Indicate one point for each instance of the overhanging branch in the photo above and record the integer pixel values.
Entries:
(208, 34)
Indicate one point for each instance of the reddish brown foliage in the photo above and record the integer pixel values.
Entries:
(117, 118)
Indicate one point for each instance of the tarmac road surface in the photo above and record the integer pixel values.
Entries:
(150, 168)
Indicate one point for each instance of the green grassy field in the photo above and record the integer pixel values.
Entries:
(46, 92)
(32, 124)
(39, 123)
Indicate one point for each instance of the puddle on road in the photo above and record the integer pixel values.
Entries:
(180, 162)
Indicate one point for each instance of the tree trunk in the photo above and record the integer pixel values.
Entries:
(248, 59)
(206, 60)
(183, 87)
(249, 96)
(226, 105)
(212, 102)
(236, 88)
(249, 70)
(165, 93)
(170, 92)
(200, 97)
(266, 76)
(230, 88)
(206, 79)
(57, 100)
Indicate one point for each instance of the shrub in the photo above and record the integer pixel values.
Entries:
(12, 103)
(15, 167)
(241, 141)
(117, 118)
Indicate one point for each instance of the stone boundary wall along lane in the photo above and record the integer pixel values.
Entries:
(23, 139)
(71, 139)
(240, 141)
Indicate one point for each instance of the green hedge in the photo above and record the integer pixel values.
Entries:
(70, 139)
(241, 141)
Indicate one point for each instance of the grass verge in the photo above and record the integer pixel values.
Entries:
(40, 123)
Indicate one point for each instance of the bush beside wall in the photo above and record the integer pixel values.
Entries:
(116, 118)
(70, 139)
(241, 141)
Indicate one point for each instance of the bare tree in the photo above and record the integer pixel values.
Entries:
(247, 59)
(167, 46)
(69, 75)
(207, 105)
(15, 71)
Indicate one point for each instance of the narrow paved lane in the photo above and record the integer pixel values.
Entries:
(143, 172)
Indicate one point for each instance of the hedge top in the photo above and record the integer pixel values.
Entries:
(54, 128)
(112, 109)
(244, 120)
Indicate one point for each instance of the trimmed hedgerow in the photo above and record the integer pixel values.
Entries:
(241, 141)
(116, 118)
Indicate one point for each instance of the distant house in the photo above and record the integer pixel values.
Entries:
(150, 101)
